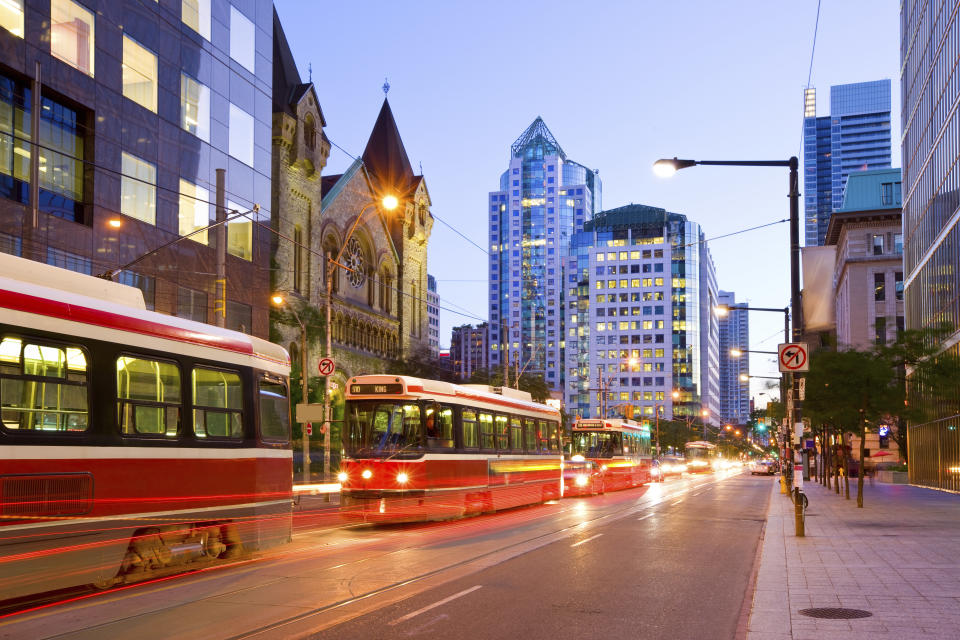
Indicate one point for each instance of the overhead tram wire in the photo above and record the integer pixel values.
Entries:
(813, 48)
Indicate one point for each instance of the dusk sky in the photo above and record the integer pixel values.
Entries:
(619, 84)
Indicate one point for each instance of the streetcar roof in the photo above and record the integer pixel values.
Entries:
(610, 424)
(30, 289)
(440, 389)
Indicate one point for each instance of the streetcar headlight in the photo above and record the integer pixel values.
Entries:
(581, 480)
(603, 467)
(576, 458)
(402, 478)
(367, 474)
(342, 477)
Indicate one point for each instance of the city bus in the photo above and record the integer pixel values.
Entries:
(417, 449)
(701, 456)
(133, 444)
(608, 454)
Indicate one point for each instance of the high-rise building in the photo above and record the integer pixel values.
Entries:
(544, 198)
(854, 137)
(639, 323)
(469, 349)
(930, 38)
(734, 360)
(140, 104)
(433, 316)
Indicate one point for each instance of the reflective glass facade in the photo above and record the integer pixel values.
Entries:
(854, 137)
(930, 47)
(639, 288)
(544, 198)
(734, 334)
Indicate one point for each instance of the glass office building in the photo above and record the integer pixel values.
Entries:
(640, 288)
(854, 137)
(734, 361)
(544, 198)
(930, 45)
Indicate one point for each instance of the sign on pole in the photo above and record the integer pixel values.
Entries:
(793, 357)
(327, 367)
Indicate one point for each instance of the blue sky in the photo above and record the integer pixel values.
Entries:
(619, 84)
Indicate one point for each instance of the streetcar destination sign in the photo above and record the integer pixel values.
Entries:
(367, 389)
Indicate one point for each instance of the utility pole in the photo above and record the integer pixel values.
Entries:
(306, 392)
(220, 285)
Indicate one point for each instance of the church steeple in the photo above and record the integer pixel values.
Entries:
(385, 157)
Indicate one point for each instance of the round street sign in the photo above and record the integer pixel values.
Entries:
(327, 367)
(793, 357)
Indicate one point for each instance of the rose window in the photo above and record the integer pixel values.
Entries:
(353, 260)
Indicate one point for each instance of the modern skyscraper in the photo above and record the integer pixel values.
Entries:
(734, 360)
(469, 349)
(930, 38)
(639, 322)
(854, 137)
(433, 316)
(544, 198)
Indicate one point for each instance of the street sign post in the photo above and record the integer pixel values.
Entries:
(327, 367)
(792, 357)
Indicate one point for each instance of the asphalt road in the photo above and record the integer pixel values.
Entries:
(670, 560)
(680, 569)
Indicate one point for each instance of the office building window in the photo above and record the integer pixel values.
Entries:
(877, 242)
(146, 284)
(195, 107)
(880, 325)
(191, 304)
(239, 316)
(10, 244)
(886, 193)
(11, 16)
(69, 261)
(61, 154)
(239, 234)
(899, 285)
(194, 212)
(138, 188)
(242, 35)
(898, 243)
(139, 74)
(879, 286)
(196, 15)
(71, 34)
(241, 135)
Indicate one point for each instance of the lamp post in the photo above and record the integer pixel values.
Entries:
(279, 301)
(389, 203)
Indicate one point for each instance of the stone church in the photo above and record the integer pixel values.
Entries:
(379, 301)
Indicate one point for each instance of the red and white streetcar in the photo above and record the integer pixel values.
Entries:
(132, 443)
(606, 455)
(428, 450)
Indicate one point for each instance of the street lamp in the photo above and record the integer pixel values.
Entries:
(278, 300)
(389, 203)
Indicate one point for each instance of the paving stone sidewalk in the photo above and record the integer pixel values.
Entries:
(898, 558)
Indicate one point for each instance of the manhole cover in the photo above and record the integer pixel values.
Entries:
(835, 613)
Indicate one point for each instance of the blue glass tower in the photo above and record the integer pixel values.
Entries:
(544, 198)
(854, 137)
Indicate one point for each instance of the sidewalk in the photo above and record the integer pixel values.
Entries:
(897, 558)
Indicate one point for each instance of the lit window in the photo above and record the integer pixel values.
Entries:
(239, 234)
(148, 396)
(71, 34)
(194, 210)
(242, 35)
(196, 15)
(241, 135)
(195, 107)
(217, 404)
(11, 16)
(44, 388)
(138, 189)
(139, 74)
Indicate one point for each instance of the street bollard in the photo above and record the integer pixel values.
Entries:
(783, 485)
(799, 502)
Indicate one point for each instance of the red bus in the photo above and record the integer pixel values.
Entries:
(133, 444)
(420, 449)
(608, 454)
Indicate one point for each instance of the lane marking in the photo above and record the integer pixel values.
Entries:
(677, 502)
(436, 604)
(646, 516)
(577, 544)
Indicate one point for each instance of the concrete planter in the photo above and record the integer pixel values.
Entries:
(893, 477)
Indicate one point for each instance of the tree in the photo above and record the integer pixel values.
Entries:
(420, 363)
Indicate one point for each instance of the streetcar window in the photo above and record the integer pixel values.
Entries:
(617, 447)
(383, 429)
(530, 435)
(554, 436)
(516, 434)
(439, 426)
(42, 387)
(274, 412)
(470, 432)
(148, 396)
(502, 431)
(486, 431)
(217, 404)
(543, 436)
